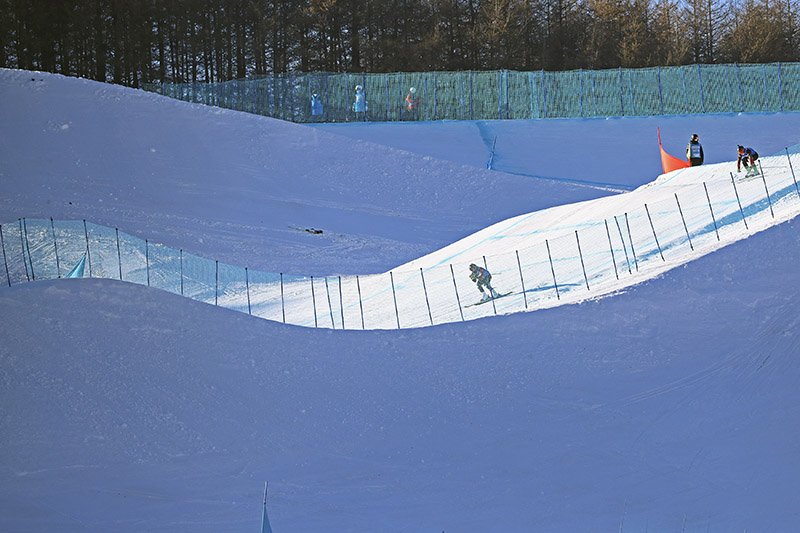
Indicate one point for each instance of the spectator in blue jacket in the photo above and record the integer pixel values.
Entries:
(316, 105)
(360, 105)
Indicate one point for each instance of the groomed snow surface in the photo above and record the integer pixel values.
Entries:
(670, 406)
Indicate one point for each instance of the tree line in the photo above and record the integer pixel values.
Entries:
(129, 42)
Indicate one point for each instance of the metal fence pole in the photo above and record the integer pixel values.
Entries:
(28, 246)
(711, 209)
(611, 247)
(735, 190)
(330, 307)
(314, 302)
(360, 303)
(580, 254)
(22, 247)
(684, 222)
(341, 304)
(624, 247)
(522, 280)
(283, 301)
(552, 269)
(394, 295)
(788, 157)
(425, 290)
(654, 232)
(763, 178)
(455, 286)
(55, 247)
(630, 236)
(487, 269)
(247, 285)
(5, 260)
(88, 251)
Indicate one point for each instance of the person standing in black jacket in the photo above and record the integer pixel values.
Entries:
(694, 151)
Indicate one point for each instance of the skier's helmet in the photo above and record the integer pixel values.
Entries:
(412, 90)
(314, 95)
(741, 149)
(473, 267)
(695, 137)
(358, 87)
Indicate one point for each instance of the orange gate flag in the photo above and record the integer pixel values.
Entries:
(668, 162)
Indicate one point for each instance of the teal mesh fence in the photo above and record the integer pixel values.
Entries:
(588, 257)
(503, 94)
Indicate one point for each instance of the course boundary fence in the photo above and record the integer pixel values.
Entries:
(505, 94)
(597, 258)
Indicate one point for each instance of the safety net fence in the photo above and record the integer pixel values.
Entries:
(503, 94)
(595, 257)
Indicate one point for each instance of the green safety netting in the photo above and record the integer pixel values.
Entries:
(504, 94)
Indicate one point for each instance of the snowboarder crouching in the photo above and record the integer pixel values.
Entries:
(483, 278)
(748, 158)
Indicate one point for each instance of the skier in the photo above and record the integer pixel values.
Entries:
(748, 158)
(360, 105)
(412, 103)
(483, 278)
(694, 151)
(316, 105)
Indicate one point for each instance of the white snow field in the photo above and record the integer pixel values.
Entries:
(670, 405)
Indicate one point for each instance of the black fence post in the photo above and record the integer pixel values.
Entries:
(735, 190)
(654, 232)
(624, 247)
(22, 247)
(711, 209)
(630, 237)
(28, 246)
(247, 286)
(552, 269)
(147, 259)
(181, 255)
(119, 259)
(455, 286)
(55, 247)
(330, 307)
(425, 290)
(580, 254)
(522, 280)
(360, 303)
(494, 307)
(88, 251)
(5, 260)
(763, 178)
(792, 169)
(684, 222)
(611, 247)
(216, 282)
(341, 301)
(314, 302)
(394, 295)
(283, 302)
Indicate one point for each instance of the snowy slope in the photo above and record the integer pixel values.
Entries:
(670, 407)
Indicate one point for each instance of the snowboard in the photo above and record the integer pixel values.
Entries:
(489, 300)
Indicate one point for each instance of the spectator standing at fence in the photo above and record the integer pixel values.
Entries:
(360, 105)
(748, 158)
(316, 106)
(694, 151)
(412, 103)
(483, 278)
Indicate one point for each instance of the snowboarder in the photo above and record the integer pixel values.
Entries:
(316, 105)
(694, 151)
(483, 278)
(412, 103)
(360, 105)
(748, 158)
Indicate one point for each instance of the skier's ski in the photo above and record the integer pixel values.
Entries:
(489, 300)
